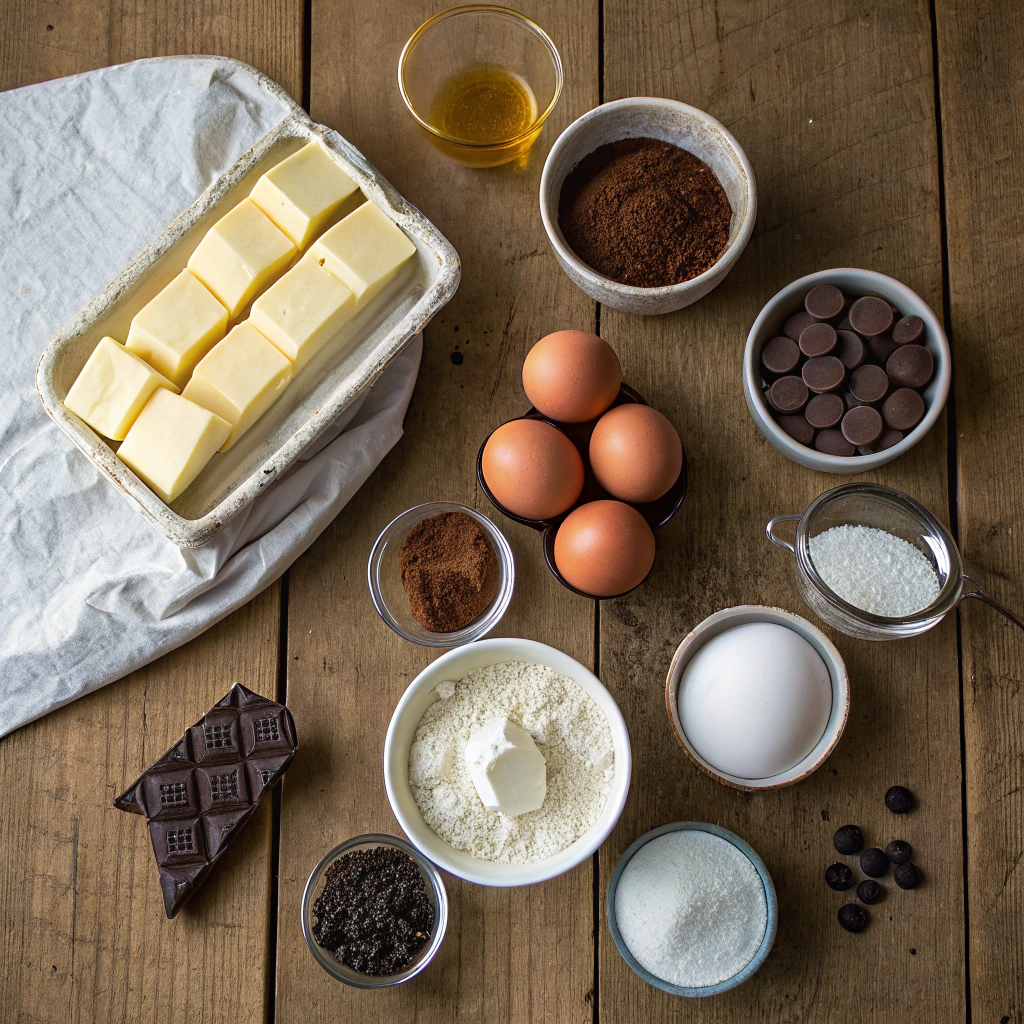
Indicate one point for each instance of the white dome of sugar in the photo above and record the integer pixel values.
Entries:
(754, 700)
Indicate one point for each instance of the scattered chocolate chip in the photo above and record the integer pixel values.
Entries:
(832, 442)
(869, 891)
(874, 862)
(824, 411)
(862, 425)
(798, 428)
(824, 302)
(868, 384)
(788, 394)
(910, 366)
(881, 346)
(823, 373)
(899, 799)
(853, 917)
(898, 851)
(839, 877)
(848, 839)
(817, 340)
(849, 349)
(780, 355)
(907, 876)
(908, 331)
(797, 324)
(903, 409)
(870, 315)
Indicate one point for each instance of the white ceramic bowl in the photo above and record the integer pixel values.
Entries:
(854, 282)
(738, 616)
(421, 693)
(670, 121)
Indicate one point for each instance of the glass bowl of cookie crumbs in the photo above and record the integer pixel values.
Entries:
(374, 912)
(441, 574)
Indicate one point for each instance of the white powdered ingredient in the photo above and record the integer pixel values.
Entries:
(875, 570)
(691, 908)
(570, 730)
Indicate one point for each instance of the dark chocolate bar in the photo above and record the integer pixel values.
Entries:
(198, 796)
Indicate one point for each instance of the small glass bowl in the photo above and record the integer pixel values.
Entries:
(435, 886)
(474, 36)
(390, 599)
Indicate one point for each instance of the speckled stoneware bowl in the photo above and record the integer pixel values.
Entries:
(738, 616)
(323, 389)
(670, 121)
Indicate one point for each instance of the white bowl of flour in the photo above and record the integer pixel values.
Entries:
(573, 720)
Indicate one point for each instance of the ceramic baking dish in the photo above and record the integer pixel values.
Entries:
(318, 394)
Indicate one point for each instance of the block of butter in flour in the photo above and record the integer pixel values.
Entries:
(507, 769)
(174, 330)
(239, 379)
(303, 311)
(365, 250)
(303, 193)
(241, 254)
(112, 388)
(171, 442)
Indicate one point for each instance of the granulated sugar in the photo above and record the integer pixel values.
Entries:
(874, 570)
(691, 908)
(570, 730)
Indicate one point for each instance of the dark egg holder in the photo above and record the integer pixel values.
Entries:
(657, 513)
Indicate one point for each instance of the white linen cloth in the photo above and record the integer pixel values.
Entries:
(92, 168)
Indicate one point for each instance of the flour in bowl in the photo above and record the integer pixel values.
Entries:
(569, 729)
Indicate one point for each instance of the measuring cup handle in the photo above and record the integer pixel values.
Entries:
(770, 530)
(979, 595)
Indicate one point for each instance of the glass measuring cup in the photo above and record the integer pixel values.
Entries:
(896, 513)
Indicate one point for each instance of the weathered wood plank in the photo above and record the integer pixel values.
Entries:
(833, 103)
(519, 955)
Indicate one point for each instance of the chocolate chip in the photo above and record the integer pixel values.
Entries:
(848, 839)
(852, 917)
(903, 409)
(899, 799)
(824, 410)
(817, 340)
(862, 425)
(887, 440)
(788, 394)
(882, 346)
(899, 851)
(869, 891)
(780, 355)
(870, 315)
(824, 302)
(798, 428)
(908, 331)
(797, 324)
(868, 384)
(850, 349)
(823, 373)
(839, 877)
(832, 442)
(910, 366)
(874, 862)
(907, 876)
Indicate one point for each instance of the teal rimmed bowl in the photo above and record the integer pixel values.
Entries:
(771, 925)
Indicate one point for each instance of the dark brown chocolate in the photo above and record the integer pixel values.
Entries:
(832, 442)
(881, 346)
(910, 366)
(824, 302)
(797, 324)
(780, 355)
(823, 373)
(849, 349)
(868, 384)
(817, 340)
(200, 794)
(863, 425)
(788, 394)
(908, 331)
(870, 315)
(824, 411)
(798, 428)
(903, 409)
(887, 440)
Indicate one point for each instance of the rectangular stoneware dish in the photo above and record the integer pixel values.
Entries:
(320, 392)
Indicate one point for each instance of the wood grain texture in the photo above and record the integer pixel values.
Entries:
(981, 79)
(510, 955)
(833, 103)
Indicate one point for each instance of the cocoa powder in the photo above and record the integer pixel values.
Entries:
(449, 571)
(645, 213)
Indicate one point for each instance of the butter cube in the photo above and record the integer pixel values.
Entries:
(303, 311)
(365, 250)
(507, 769)
(112, 388)
(171, 442)
(303, 192)
(239, 379)
(241, 254)
(173, 331)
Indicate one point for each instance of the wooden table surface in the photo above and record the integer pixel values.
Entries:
(885, 136)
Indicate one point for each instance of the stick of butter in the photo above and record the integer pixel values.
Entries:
(174, 330)
(365, 251)
(303, 311)
(241, 254)
(112, 388)
(303, 193)
(171, 442)
(239, 379)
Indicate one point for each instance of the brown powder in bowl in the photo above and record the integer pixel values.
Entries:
(644, 213)
(449, 570)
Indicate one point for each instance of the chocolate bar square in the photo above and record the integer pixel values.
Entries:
(198, 795)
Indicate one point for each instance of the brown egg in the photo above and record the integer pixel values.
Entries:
(572, 376)
(532, 469)
(604, 548)
(635, 453)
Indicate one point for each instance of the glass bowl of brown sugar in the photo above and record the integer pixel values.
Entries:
(441, 574)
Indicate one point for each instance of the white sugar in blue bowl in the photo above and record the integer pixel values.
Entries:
(692, 909)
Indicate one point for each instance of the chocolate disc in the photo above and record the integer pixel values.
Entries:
(797, 324)
(823, 373)
(780, 355)
(868, 384)
(849, 401)
(887, 440)
(862, 425)
(788, 394)
(832, 442)
(849, 349)
(871, 315)
(798, 428)
(817, 340)
(910, 366)
(824, 411)
(908, 331)
(881, 346)
(824, 302)
(903, 409)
